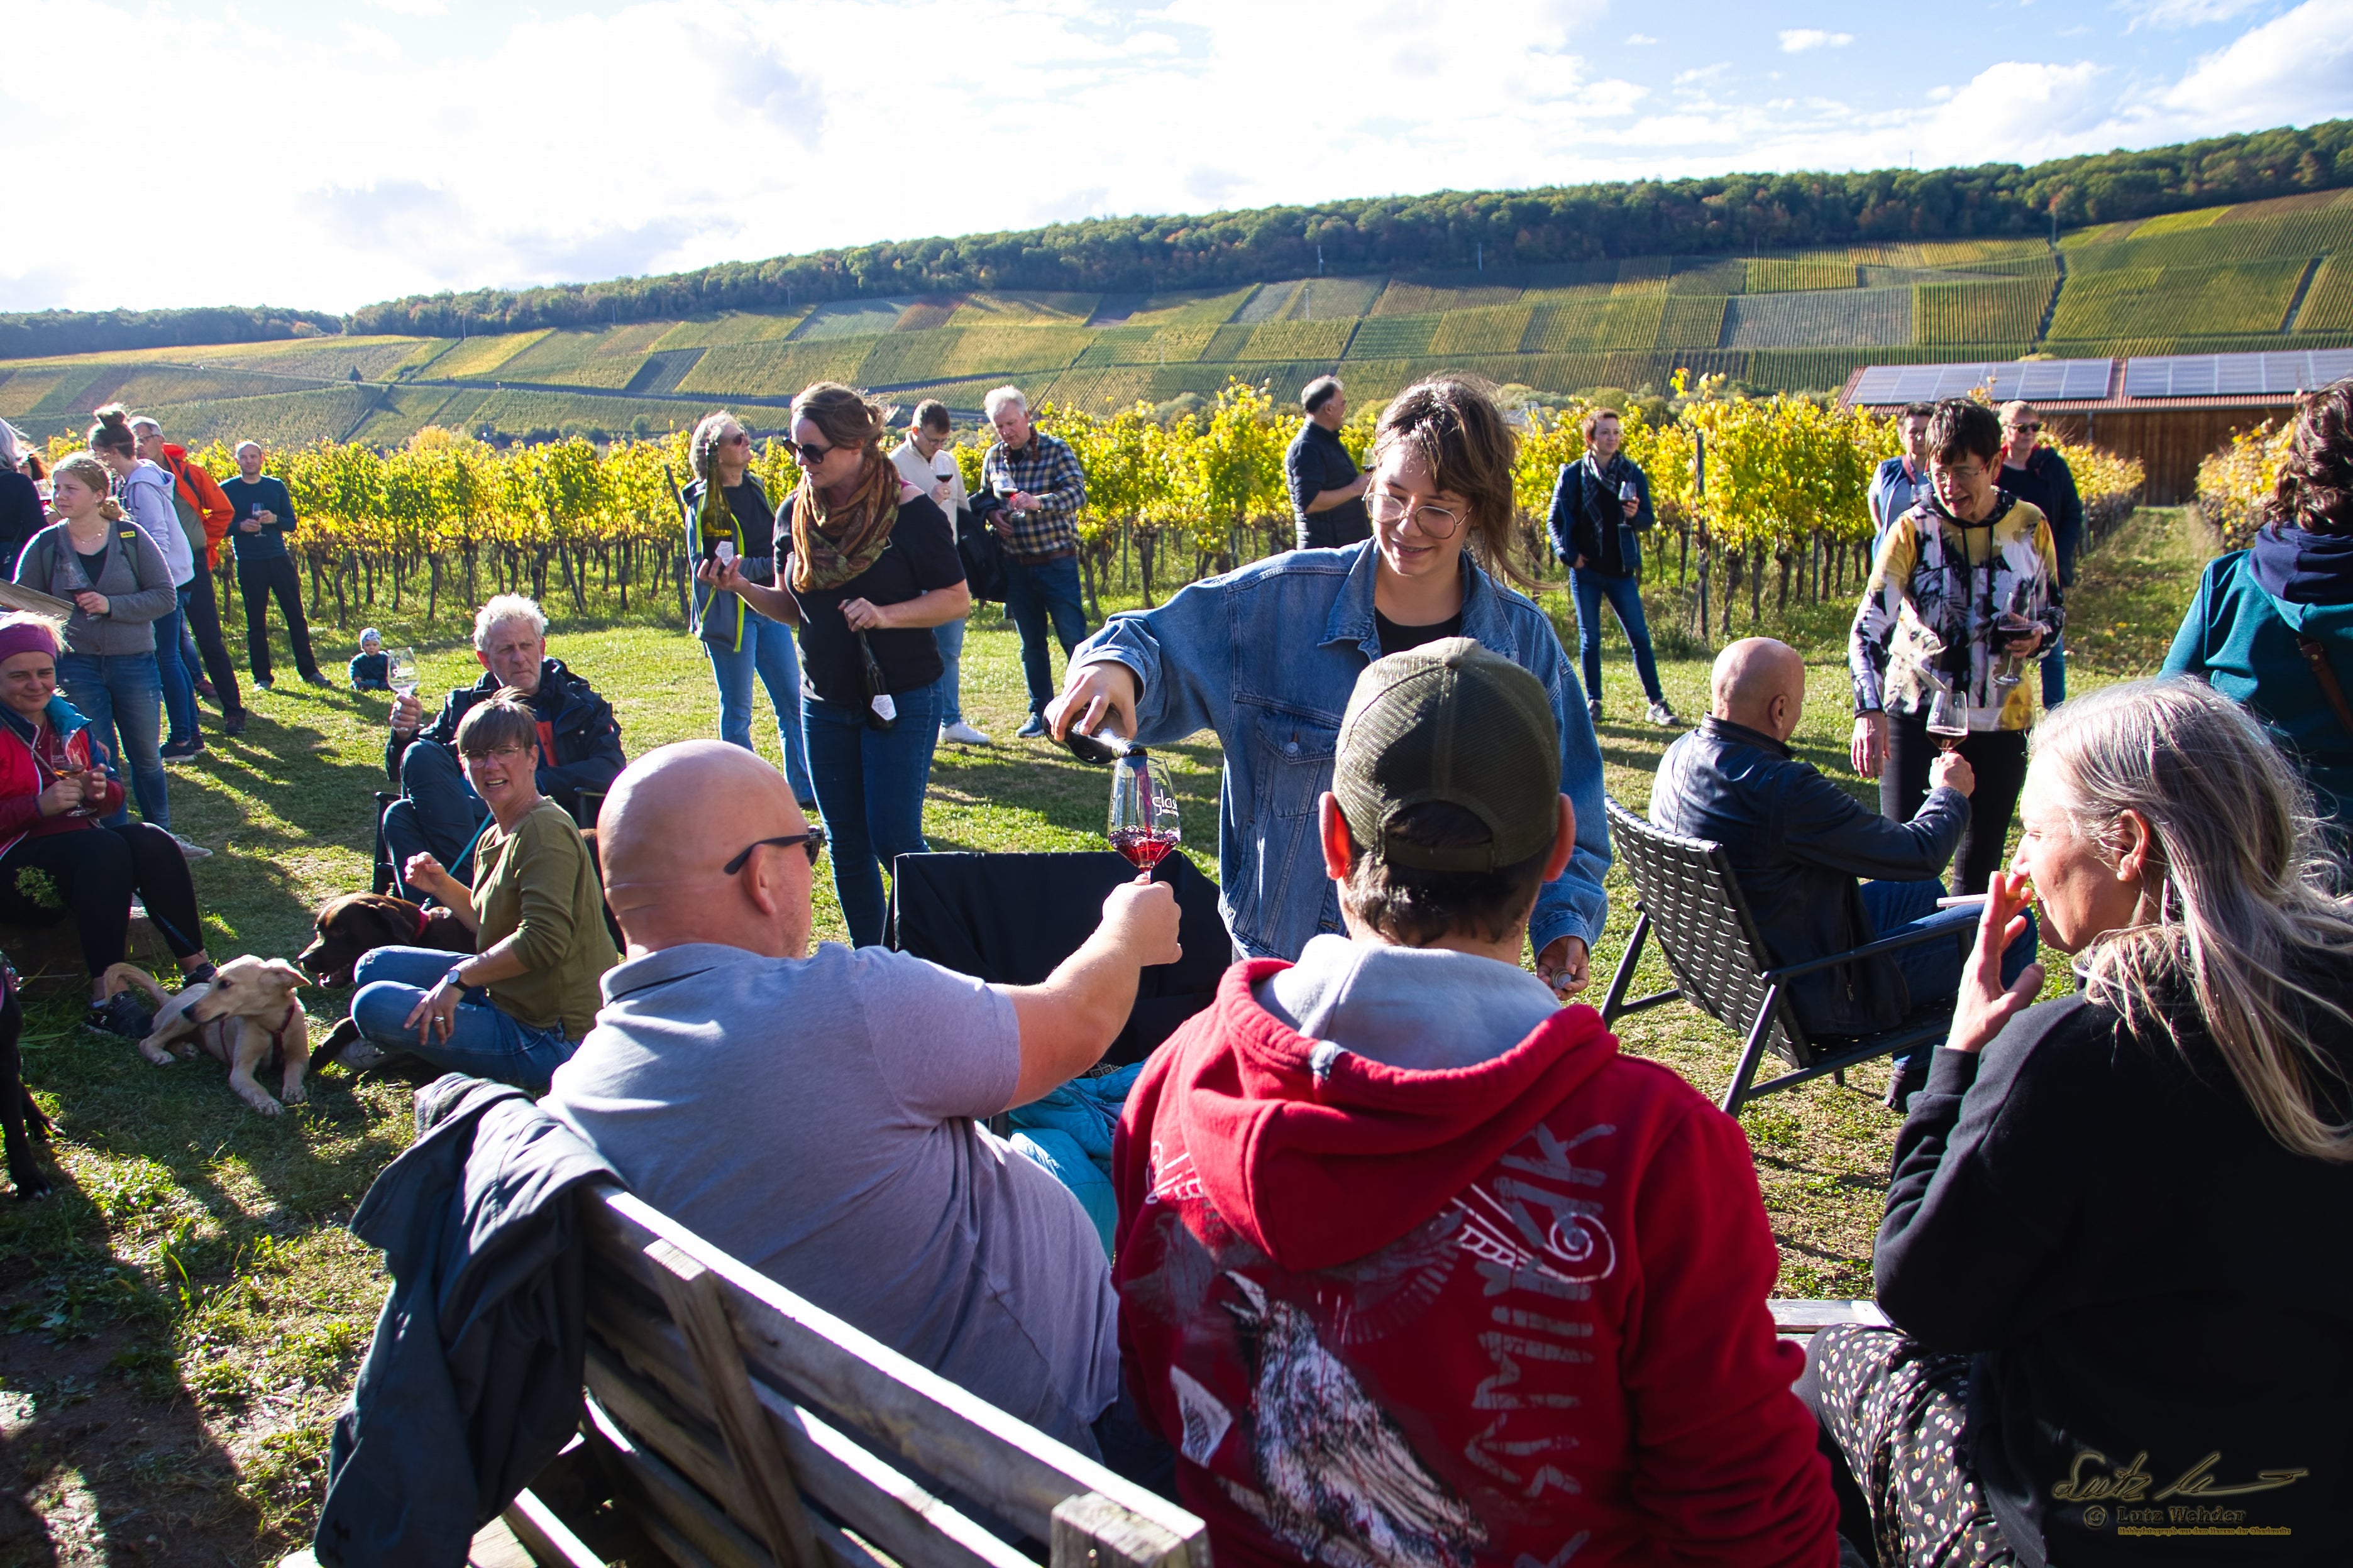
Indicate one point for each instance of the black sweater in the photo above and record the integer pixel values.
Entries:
(2146, 1280)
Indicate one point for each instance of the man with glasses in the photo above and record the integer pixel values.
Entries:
(817, 1112)
(579, 740)
(2032, 471)
(1040, 488)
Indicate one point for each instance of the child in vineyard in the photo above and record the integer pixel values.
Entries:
(370, 667)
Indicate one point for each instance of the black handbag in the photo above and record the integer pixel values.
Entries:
(977, 547)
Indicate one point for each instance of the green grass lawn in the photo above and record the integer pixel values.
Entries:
(178, 1325)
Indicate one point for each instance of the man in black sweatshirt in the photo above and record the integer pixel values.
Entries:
(264, 516)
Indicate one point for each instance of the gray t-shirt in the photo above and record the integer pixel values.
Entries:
(812, 1118)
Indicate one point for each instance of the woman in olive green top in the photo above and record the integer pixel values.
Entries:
(538, 916)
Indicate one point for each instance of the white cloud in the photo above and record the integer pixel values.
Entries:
(1641, 39)
(2295, 67)
(413, 8)
(1797, 41)
(2173, 15)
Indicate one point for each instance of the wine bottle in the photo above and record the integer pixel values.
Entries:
(715, 521)
(881, 713)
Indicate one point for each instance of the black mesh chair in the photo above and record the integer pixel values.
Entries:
(1691, 902)
(1010, 919)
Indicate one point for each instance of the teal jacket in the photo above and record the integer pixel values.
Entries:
(2240, 636)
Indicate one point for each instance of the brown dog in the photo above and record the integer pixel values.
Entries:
(246, 1016)
(352, 925)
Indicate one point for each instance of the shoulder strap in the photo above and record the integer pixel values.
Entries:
(2316, 655)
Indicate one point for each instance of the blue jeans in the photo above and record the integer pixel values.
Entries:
(2054, 673)
(1625, 596)
(949, 635)
(768, 651)
(122, 692)
(390, 982)
(870, 784)
(437, 811)
(1933, 969)
(179, 686)
(1031, 593)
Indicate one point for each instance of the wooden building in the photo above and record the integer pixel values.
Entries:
(2169, 411)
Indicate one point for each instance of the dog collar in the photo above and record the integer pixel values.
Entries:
(424, 923)
(278, 1034)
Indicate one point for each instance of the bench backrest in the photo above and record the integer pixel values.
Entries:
(729, 1406)
(1701, 922)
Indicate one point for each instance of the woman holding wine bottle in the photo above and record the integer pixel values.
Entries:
(1963, 595)
(728, 513)
(1266, 657)
(865, 566)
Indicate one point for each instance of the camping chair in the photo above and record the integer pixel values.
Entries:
(1691, 902)
(386, 878)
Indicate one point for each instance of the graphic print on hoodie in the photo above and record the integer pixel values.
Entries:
(1509, 1313)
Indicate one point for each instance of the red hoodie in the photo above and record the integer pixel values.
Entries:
(1512, 1313)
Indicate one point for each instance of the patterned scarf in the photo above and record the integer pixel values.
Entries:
(831, 546)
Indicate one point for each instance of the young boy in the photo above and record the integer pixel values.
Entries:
(371, 667)
(1413, 1266)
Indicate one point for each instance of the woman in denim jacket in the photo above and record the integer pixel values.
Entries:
(1266, 657)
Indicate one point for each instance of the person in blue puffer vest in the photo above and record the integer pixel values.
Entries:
(2272, 626)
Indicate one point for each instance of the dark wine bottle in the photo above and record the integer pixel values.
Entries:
(881, 713)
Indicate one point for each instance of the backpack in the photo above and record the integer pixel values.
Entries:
(191, 522)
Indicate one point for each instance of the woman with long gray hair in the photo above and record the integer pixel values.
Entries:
(727, 505)
(2118, 1245)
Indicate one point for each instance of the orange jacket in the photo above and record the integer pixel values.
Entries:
(201, 490)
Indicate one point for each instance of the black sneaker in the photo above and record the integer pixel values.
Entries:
(233, 724)
(181, 750)
(315, 678)
(123, 1014)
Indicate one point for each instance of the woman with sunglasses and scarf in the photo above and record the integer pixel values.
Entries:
(516, 1008)
(865, 566)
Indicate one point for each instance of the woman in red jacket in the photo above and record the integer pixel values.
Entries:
(55, 857)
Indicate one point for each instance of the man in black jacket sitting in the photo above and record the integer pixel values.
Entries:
(579, 740)
(1797, 843)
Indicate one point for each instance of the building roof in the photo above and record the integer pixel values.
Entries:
(2098, 385)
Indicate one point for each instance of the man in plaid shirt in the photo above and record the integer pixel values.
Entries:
(1042, 486)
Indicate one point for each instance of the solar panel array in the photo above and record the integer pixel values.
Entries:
(2223, 375)
(2057, 380)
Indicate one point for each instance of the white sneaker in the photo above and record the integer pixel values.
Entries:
(961, 733)
(191, 850)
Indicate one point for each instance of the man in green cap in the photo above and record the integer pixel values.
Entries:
(1413, 1266)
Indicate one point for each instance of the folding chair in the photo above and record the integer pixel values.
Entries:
(1691, 903)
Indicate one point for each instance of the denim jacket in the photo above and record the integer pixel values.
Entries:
(1572, 535)
(1229, 654)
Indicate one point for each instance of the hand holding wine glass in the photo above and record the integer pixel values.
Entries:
(400, 671)
(1144, 825)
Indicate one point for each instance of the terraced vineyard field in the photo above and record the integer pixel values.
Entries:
(2268, 275)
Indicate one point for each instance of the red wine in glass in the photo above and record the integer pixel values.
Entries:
(1144, 825)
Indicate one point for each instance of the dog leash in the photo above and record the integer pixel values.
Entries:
(402, 883)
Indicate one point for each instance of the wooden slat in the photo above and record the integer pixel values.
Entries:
(695, 1531)
(899, 1517)
(940, 1429)
(548, 1539)
(1093, 1532)
(1792, 1316)
(698, 1305)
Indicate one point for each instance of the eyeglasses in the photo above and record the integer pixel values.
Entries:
(813, 842)
(1391, 511)
(503, 752)
(809, 453)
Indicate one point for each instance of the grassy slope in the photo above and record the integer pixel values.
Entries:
(182, 1320)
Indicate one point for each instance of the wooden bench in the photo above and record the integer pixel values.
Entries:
(1691, 902)
(730, 1423)
(1798, 1321)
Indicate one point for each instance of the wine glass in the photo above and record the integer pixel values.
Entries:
(70, 766)
(400, 671)
(2024, 606)
(944, 469)
(1143, 815)
(1947, 721)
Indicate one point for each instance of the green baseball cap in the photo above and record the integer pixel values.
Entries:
(1451, 722)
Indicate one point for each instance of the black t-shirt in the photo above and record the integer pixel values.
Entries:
(1395, 638)
(920, 556)
(93, 563)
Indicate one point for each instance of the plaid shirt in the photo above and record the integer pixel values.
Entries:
(1048, 470)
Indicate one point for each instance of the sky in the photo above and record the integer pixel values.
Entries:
(325, 154)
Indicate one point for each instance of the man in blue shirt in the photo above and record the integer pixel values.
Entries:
(264, 516)
(1327, 494)
(1900, 480)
